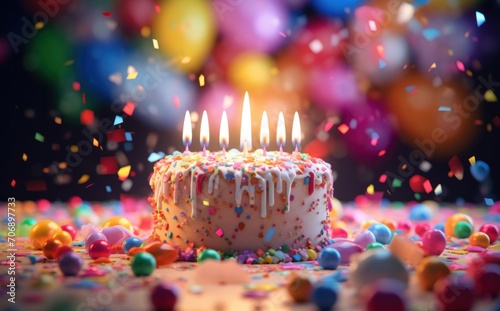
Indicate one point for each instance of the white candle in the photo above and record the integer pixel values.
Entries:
(187, 132)
(296, 131)
(246, 126)
(224, 132)
(264, 133)
(281, 132)
(204, 132)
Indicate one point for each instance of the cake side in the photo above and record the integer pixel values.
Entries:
(241, 202)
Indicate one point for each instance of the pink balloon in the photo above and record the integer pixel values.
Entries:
(116, 234)
(254, 25)
(346, 250)
(135, 14)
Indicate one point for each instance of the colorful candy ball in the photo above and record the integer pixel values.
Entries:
(42, 231)
(300, 288)
(64, 237)
(479, 239)
(429, 271)
(434, 242)
(421, 228)
(381, 232)
(70, 263)
(324, 295)
(95, 236)
(25, 226)
(329, 258)
(453, 220)
(50, 247)
(128, 243)
(62, 250)
(385, 294)
(209, 254)
(487, 281)
(164, 297)
(420, 212)
(99, 249)
(462, 230)
(71, 230)
(491, 230)
(404, 226)
(118, 221)
(375, 245)
(143, 264)
(455, 292)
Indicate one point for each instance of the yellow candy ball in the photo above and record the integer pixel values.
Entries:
(367, 223)
(479, 239)
(312, 254)
(118, 221)
(42, 231)
(429, 271)
(453, 220)
(63, 237)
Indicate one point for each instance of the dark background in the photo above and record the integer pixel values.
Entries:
(26, 101)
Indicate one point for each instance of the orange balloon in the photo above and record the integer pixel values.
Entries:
(42, 231)
(50, 247)
(453, 220)
(64, 237)
(119, 221)
(163, 253)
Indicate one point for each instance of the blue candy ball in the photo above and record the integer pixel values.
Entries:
(130, 242)
(420, 212)
(439, 226)
(480, 170)
(324, 295)
(329, 258)
(381, 232)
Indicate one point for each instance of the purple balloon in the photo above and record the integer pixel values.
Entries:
(364, 238)
(116, 234)
(254, 25)
(346, 250)
(91, 238)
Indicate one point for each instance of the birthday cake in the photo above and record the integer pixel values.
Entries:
(237, 201)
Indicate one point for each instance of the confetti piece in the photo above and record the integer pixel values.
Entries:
(382, 178)
(108, 165)
(87, 117)
(380, 51)
(153, 157)
(76, 86)
(444, 108)
(128, 136)
(427, 186)
(438, 190)
(489, 96)
(472, 160)
(129, 108)
(13, 183)
(108, 189)
(431, 33)
(118, 120)
(269, 234)
(328, 126)
(353, 124)
(106, 14)
(372, 25)
(316, 46)
(155, 44)
(25, 157)
(83, 179)
(381, 64)
(177, 102)
(405, 13)
(425, 166)
(489, 201)
(116, 78)
(396, 183)
(480, 19)
(411, 89)
(460, 65)
(117, 135)
(282, 34)
(132, 75)
(381, 152)
(58, 120)
(39, 25)
(370, 189)
(124, 172)
(201, 79)
(39, 137)
(433, 66)
(343, 128)
(456, 167)
(227, 102)
(219, 232)
(185, 60)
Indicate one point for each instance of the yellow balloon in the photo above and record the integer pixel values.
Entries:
(251, 71)
(63, 237)
(42, 231)
(119, 221)
(186, 31)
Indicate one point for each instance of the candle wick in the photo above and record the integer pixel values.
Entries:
(281, 149)
(296, 148)
(264, 151)
(187, 148)
(204, 150)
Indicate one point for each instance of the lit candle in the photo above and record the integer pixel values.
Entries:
(224, 132)
(246, 126)
(296, 131)
(187, 131)
(264, 133)
(281, 132)
(204, 132)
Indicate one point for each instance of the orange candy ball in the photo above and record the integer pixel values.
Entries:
(453, 220)
(429, 271)
(119, 221)
(479, 239)
(391, 224)
(50, 247)
(42, 231)
(64, 237)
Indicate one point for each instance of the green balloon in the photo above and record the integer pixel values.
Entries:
(143, 264)
(463, 229)
(209, 254)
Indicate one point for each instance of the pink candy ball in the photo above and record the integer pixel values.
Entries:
(71, 230)
(91, 238)
(491, 231)
(339, 233)
(421, 228)
(404, 226)
(434, 242)
(99, 249)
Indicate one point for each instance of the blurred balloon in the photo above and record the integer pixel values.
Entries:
(295, 4)
(439, 121)
(224, 53)
(254, 25)
(330, 8)
(319, 42)
(135, 14)
(451, 6)
(251, 71)
(48, 53)
(291, 77)
(186, 31)
(334, 87)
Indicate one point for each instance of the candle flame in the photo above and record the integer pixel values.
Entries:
(281, 131)
(296, 131)
(204, 130)
(224, 131)
(246, 125)
(187, 132)
(264, 131)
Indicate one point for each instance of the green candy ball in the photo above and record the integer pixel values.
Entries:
(375, 245)
(143, 264)
(463, 229)
(24, 227)
(209, 254)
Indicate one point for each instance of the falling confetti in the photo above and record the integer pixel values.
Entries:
(456, 167)
(490, 97)
(129, 108)
(480, 18)
(381, 64)
(431, 34)
(201, 79)
(343, 128)
(13, 183)
(39, 137)
(155, 44)
(438, 190)
(460, 66)
(153, 157)
(124, 172)
(444, 108)
(118, 120)
(269, 234)
(106, 14)
(83, 179)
